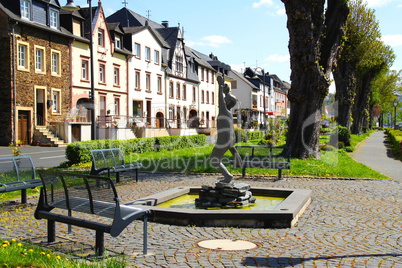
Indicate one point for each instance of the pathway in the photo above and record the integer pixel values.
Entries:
(374, 153)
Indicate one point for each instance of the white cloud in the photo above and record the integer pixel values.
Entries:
(263, 3)
(392, 40)
(209, 41)
(277, 58)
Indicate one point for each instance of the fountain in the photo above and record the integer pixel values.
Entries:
(228, 203)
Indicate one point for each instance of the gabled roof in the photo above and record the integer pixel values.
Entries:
(134, 30)
(199, 57)
(129, 18)
(245, 80)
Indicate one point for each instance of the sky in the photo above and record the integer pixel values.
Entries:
(246, 33)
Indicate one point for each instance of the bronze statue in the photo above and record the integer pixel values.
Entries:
(226, 134)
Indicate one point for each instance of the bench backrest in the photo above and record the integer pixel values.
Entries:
(16, 168)
(79, 192)
(264, 153)
(107, 158)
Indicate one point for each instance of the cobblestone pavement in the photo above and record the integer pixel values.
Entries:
(350, 223)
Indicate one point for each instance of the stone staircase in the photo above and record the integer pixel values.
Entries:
(45, 136)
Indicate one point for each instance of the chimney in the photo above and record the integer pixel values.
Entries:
(165, 23)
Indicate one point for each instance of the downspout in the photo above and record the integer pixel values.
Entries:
(14, 95)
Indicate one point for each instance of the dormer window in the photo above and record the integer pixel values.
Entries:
(54, 18)
(117, 42)
(25, 9)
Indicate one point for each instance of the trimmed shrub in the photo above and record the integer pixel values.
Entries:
(254, 135)
(80, 152)
(240, 135)
(342, 134)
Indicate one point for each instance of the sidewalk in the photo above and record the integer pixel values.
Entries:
(375, 154)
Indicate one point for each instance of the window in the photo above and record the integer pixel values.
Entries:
(40, 59)
(137, 85)
(102, 75)
(148, 82)
(25, 9)
(56, 101)
(171, 112)
(116, 75)
(23, 56)
(194, 94)
(137, 108)
(117, 42)
(159, 84)
(156, 56)
(56, 63)
(179, 64)
(171, 94)
(212, 98)
(202, 74)
(147, 54)
(84, 69)
(207, 93)
(184, 95)
(116, 106)
(54, 18)
(178, 91)
(102, 105)
(137, 50)
(202, 96)
(101, 37)
(207, 74)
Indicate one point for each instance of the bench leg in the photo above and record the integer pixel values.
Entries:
(243, 173)
(136, 175)
(24, 196)
(279, 174)
(145, 235)
(51, 231)
(99, 243)
(117, 177)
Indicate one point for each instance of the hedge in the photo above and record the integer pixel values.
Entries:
(254, 135)
(80, 152)
(395, 140)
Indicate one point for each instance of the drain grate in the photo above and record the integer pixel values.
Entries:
(227, 244)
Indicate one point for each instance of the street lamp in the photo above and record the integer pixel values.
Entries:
(72, 7)
(395, 105)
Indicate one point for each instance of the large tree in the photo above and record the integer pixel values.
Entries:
(363, 57)
(314, 41)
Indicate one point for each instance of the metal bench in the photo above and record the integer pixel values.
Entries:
(18, 173)
(106, 161)
(264, 157)
(85, 194)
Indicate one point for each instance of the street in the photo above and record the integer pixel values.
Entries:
(42, 157)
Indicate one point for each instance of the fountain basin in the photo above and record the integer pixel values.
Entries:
(285, 215)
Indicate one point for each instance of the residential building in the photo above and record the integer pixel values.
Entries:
(35, 69)
(110, 81)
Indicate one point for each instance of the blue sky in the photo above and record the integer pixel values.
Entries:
(246, 33)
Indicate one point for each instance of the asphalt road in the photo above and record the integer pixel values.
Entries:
(43, 157)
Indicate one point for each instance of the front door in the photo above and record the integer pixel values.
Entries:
(24, 126)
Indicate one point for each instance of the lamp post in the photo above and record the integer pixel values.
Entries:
(395, 105)
(70, 6)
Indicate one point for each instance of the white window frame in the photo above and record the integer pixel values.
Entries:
(53, 18)
(147, 54)
(101, 37)
(25, 7)
(137, 50)
(159, 84)
(148, 82)
(40, 59)
(137, 80)
(56, 98)
(116, 76)
(102, 73)
(156, 57)
(23, 56)
(84, 69)
(56, 62)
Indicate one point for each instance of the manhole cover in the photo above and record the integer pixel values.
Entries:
(227, 244)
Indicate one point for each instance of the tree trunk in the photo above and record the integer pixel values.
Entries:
(345, 82)
(361, 105)
(313, 46)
